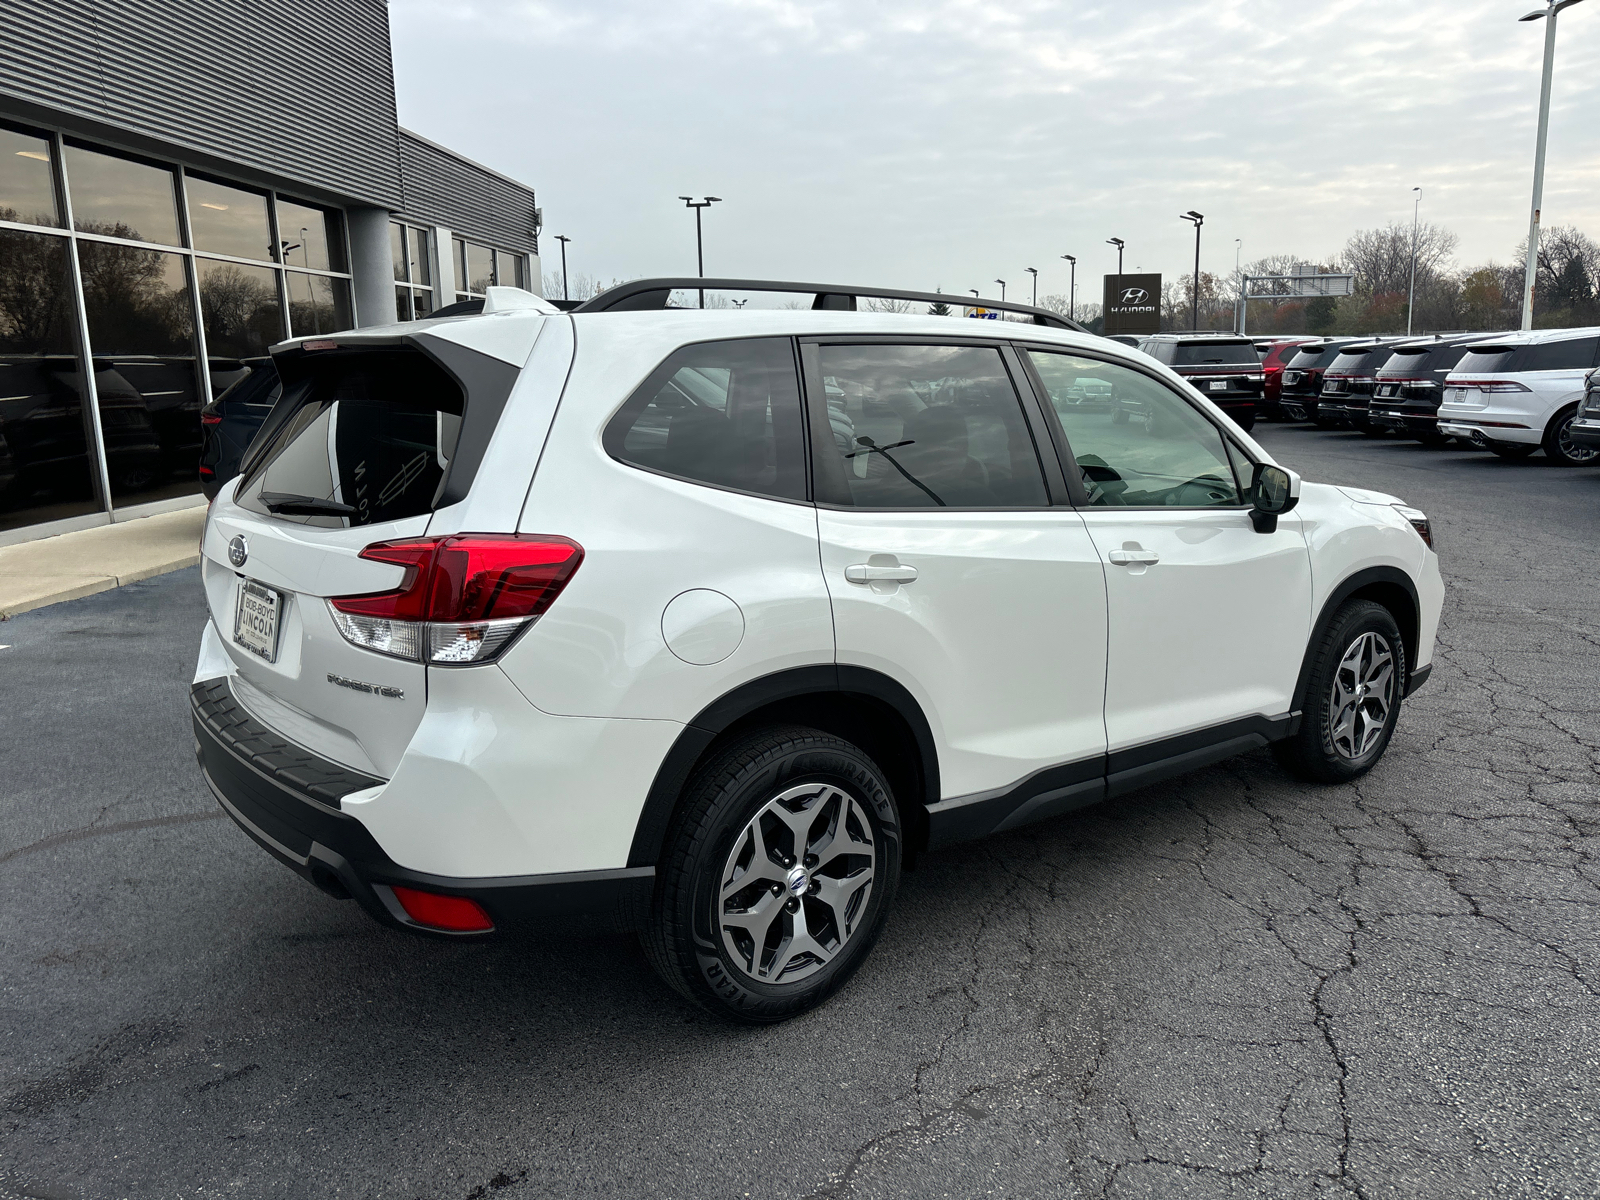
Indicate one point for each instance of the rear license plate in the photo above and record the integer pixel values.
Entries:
(1387, 389)
(255, 619)
(1219, 385)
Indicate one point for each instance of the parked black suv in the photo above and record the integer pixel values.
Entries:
(1225, 367)
(1347, 384)
(1407, 389)
(1585, 427)
(229, 422)
(1301, 390)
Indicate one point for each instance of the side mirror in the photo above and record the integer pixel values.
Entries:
(1273, 492)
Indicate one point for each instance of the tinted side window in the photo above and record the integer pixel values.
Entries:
(926, 427)
(1145, 445)
(723, 413)
(1569, 355)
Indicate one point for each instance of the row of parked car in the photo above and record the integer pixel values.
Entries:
(1511, 393)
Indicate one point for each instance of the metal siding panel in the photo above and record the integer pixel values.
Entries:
(301, 90)
(470, 200)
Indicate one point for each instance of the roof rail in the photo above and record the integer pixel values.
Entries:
(642, 295)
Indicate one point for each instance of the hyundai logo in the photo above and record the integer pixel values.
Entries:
(238, 550)
(1134, 296)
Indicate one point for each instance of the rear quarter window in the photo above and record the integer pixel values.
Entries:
(1568, 355)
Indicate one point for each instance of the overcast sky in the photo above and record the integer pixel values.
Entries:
(947, 143)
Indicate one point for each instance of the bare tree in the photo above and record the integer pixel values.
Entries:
(888, 305)
(1380, 259)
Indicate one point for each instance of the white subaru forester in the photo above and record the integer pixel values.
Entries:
(705, 622)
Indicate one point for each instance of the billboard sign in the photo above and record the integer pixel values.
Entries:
(981, 314)
(1133, 304)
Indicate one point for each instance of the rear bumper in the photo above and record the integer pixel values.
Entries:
(288, 800)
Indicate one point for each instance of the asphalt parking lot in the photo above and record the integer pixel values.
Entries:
(1229, 985)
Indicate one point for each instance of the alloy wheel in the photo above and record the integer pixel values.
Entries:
(796, 883)
(1570, 449)
(1362, 695)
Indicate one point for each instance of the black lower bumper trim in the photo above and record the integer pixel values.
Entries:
(332, 849)
(1418, 678)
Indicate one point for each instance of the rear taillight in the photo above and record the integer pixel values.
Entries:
(1494, 385)
(462, 599)
(210, 418)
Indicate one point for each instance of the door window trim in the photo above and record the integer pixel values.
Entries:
(1069, 461)
(828, 488)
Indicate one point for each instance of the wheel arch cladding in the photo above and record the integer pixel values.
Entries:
(1388, 586)
(864, 707)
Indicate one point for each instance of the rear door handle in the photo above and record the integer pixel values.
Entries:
(866, 573)
(1128, 558)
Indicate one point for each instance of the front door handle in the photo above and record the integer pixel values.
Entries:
(1129, 558)
(867, 573)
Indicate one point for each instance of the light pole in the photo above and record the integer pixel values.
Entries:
(699, 242)
(1411, 304)
(566, 293)
(1118, 243)
(1034, 271)
(1002, 284)
(1238, 282)
(1072, 289)
(975, 292)
(1548, 15)
(1197, 220)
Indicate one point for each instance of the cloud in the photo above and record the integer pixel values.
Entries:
(946, 142)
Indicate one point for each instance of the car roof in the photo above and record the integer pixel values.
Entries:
(1534, 337)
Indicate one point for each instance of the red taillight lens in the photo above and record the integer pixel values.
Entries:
(454, 913)
(210, 418)
(462, 599)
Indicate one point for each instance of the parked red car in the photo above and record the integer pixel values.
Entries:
(1274, 358)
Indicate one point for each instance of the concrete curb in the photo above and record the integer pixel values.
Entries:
(73, 565)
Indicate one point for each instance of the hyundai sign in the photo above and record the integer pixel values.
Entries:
(1133, 304)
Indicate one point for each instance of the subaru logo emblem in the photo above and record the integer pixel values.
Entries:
(1134, 295)
(238, 551)
(798, 881)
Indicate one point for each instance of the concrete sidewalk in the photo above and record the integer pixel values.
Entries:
(34, 574)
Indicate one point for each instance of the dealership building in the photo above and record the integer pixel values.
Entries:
(181, 186)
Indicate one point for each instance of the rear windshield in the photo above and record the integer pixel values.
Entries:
(1313, 356)
(1200, 354)
(364, 438)
(1350, 360)
(1419, 359)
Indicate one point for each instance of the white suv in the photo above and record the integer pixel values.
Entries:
(708, 621)
(1521, 391)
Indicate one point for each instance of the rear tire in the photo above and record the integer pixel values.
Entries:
(1559, 446)
(777, 876)
(1353, 696)
(1512, 450)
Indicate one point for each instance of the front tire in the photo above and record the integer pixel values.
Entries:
(1358, 678)
(777, 876)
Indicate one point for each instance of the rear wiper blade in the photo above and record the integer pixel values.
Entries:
(291, 504)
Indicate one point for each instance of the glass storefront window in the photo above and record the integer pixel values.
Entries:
(27, 192)
(240, 309)
(508, 269)
(228, 220)
(480, 268)
(417, 245)
(458, 250)
(422, 302)
(317, 304)
(310, 237)
(402, 304)
(119, 197)
(397, 250)
(47, 467)
(141, 333)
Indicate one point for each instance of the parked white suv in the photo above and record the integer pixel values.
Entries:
(708, 621)
(1521, 391)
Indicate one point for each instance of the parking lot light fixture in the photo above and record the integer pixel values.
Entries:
(1118, 243)
(1072, 289)
(699, 241)
(1546, 14)
(1002, 284)
(1197, 220)
(1034, 271)
(566, 293)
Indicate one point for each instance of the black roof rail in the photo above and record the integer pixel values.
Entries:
(644, 295)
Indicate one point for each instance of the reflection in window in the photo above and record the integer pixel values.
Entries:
(723, 413)
(508, 269)
(141, 331)
(27, 193)
(397, 250)
(118, 197)
(928, 426)
(240, 308)
(310, 237)
(226, 220)
(317, 304)
(46, 470)
(480, 268)
(1138, 443)
(408, 246)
